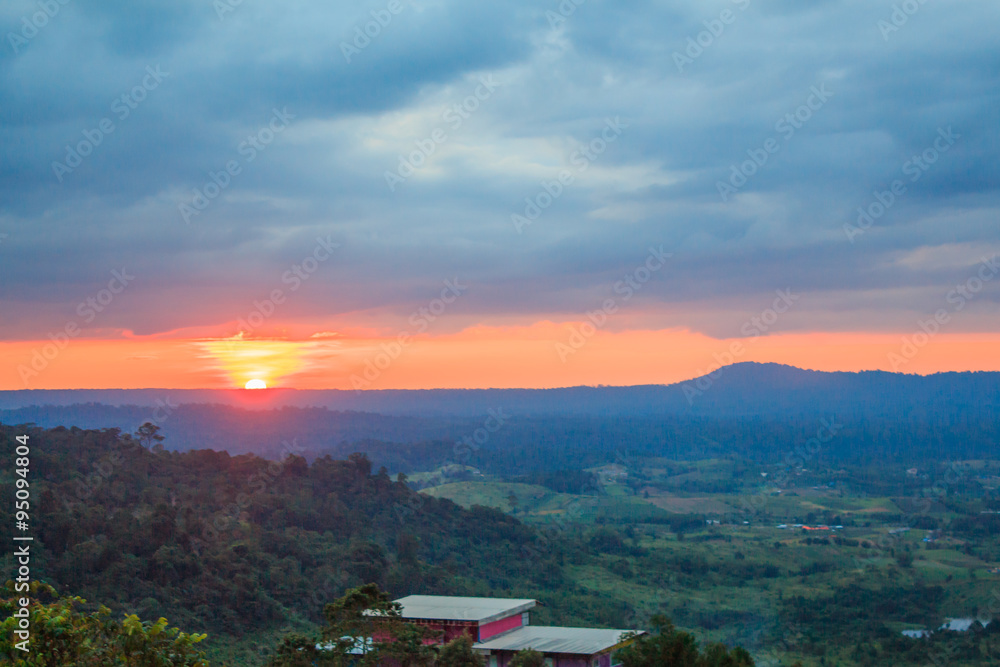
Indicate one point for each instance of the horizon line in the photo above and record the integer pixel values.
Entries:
(578, 386)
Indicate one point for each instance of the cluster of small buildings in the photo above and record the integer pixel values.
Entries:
(613, 473)
(802, 526)
(950, 625)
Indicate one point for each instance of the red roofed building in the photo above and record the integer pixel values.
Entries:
(500, 628)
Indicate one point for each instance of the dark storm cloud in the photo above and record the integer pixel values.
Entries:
(564, 69)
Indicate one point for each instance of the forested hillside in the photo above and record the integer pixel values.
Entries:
(248, 549)
(526, 445)
(234, 546)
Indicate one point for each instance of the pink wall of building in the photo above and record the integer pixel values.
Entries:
(488, 630)
(451, 629)
(558, 659)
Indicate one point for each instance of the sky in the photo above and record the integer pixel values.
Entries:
(436, 193)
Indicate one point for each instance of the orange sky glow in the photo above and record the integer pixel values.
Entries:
(542, 355)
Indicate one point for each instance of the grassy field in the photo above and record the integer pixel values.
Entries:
(719, 565)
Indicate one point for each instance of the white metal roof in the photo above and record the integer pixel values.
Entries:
(482, 610)
(359, 645)
(579, 641)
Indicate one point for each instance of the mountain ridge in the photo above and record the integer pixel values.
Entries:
(733, 389)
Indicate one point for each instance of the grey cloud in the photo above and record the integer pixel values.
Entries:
(656, 185)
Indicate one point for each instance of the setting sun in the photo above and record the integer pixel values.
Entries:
(255, 384)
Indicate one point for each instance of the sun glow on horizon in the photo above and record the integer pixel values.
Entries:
(481, 357)
(262, 361)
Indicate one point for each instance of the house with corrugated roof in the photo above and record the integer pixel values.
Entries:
(500, 627)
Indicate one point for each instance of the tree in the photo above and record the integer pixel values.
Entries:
(408, 646)
(669, 647)
(717, 655)
(364, 627)
(527, 658)
(512, 501)
(149, 435)
(298, 650)
(60, 635)
(407, 549)
(362, 613)
(458, 653)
